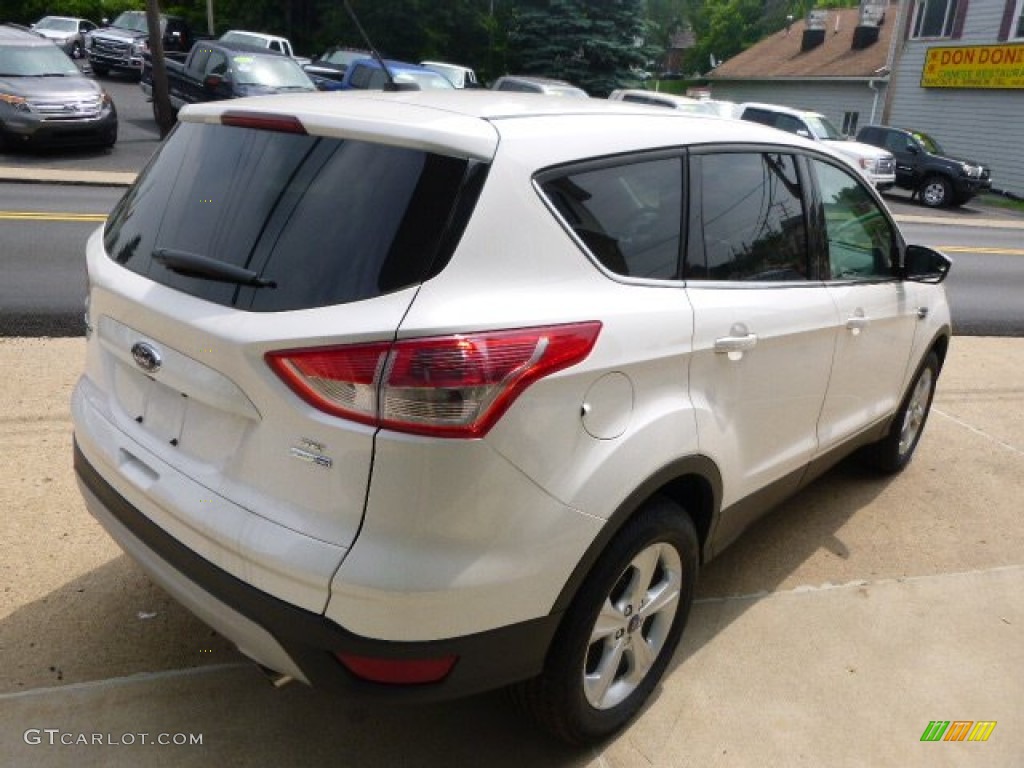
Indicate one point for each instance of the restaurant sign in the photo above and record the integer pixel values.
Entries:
(974, 66)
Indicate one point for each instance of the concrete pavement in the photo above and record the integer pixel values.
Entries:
(831, 634)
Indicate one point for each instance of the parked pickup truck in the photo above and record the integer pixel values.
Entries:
(263, 40)
(939, 178)
(214, 70)
(876, 164)
(120, 46)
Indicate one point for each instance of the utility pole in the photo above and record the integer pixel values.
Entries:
(162, 111)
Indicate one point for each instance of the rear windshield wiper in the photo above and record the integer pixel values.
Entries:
(197, 265)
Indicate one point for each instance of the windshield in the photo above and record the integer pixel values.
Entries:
(35, 61)
(343, 58)
(57, 25)
(133, 20)
(455, 75)
(822, 128)
(244, 38)
(427, 81)
(931, 146)
(270, 71)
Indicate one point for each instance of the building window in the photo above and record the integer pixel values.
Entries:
(850, 123)
(934, 18)
(1017, 27)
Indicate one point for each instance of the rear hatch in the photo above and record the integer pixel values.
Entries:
(250, 237)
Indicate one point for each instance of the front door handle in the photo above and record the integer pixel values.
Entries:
(736, 343)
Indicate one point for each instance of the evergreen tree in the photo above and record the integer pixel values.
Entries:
(597, 44)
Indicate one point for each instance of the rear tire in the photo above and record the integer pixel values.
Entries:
(893, 452)
(936, 192)
(621, 630)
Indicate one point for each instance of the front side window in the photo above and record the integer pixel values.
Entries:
(861, 241)
(748, 222)
(934, 18)
(628, 216)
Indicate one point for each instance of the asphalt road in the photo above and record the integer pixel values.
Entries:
(45, 278)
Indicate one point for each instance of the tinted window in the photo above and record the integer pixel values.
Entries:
(756, 115)
(329, 221)
(360, 76)
(628, 216)
(747, 222)
(860, 238)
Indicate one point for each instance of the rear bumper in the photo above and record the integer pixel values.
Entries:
(298, 642)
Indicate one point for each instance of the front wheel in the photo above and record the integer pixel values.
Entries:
(936, 192)
(894, 451)
(621, 630)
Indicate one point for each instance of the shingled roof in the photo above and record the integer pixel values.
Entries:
(779, 56)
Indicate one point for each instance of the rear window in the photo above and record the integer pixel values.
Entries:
(329, 221)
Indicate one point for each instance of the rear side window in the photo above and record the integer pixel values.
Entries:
(329, 221)
(757, 115)
(628, 216)
(747, 221)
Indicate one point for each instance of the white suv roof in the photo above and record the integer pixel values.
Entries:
(466, 122)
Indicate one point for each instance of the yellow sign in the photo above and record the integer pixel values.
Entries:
(974, 66)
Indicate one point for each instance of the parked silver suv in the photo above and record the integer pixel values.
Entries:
(44, 99)
(413, 395)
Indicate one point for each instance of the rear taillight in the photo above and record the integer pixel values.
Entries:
(448, 386)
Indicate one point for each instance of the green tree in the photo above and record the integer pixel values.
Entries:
(596, 45)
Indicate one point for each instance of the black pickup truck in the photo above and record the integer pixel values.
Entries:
(215, 70)
(120, 46)
(934, 175)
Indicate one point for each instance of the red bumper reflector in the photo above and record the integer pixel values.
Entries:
(398, 671)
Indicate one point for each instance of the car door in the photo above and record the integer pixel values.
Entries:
(877, 314)
(906, 160)
(763, 325)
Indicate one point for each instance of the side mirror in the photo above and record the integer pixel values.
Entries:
(913, 148)
(922, 264)
(803, 132)
(213, 81)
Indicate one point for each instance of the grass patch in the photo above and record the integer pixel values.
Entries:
(1000, 201)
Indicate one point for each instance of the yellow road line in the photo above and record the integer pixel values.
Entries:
(981, 249)
(51, 216)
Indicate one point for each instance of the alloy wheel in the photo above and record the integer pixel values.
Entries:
(632, 626)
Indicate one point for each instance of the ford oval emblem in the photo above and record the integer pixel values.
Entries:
(146, 357)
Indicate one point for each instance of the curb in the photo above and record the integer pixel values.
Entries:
(57, 176)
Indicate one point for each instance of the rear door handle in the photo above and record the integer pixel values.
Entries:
(857, 322)
(735, 345)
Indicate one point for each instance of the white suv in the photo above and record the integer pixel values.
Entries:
(421, 394)
(879, 165)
